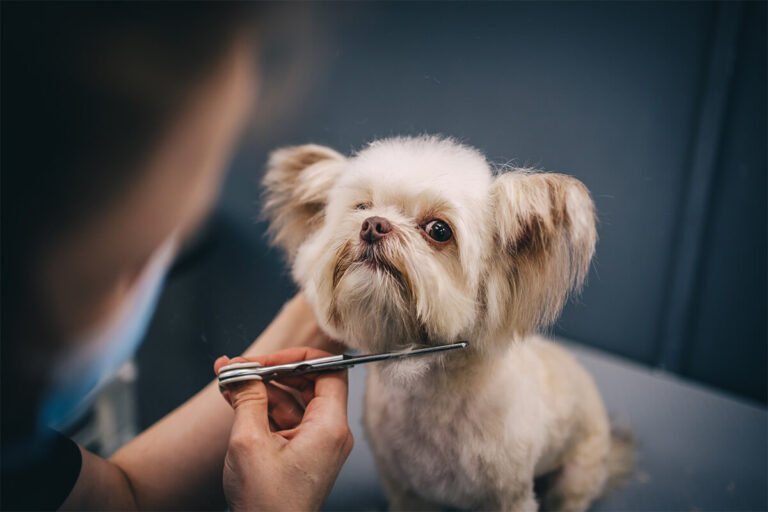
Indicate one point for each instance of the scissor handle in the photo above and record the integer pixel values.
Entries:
(238, 372)
(287, 366)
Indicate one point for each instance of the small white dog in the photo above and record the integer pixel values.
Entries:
(414, 242)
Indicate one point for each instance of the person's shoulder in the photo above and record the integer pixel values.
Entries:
(39, 474)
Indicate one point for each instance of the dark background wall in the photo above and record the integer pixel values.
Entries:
(660, 108)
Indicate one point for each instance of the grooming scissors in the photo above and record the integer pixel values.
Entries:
(239, 372)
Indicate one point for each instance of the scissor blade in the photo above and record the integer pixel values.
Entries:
(350, 361)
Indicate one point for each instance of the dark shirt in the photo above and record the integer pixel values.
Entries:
(41, 478)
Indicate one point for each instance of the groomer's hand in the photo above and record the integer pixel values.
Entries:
(283, 455)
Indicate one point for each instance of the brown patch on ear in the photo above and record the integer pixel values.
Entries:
(557, 198)
(546, 228)
(535, 232)
(532, 238)
(296, 185)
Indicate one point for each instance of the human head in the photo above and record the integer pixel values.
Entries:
(118, 119)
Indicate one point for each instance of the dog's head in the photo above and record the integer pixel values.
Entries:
(415, 241)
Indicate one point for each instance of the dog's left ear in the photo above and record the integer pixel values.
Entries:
(297, 183)
(545, 238)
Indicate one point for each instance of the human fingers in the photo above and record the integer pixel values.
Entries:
(221, 361)
(284, 410)
(330, 392)
(250, 402)
(325, 418)
(304, 384)
(289, 355)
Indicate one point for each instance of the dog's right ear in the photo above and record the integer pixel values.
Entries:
(296, 184)
(545, 239)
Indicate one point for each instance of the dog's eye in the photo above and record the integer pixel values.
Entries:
(362, 206)
(438, 230)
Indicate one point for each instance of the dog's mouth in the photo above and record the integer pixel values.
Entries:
(371, 301)
(373, 257)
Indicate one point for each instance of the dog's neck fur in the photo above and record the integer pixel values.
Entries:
(443, 369)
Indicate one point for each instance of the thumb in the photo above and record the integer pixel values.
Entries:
(250, 402)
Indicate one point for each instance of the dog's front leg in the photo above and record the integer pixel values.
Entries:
(400, 497)
(516, 499)
(404, 500)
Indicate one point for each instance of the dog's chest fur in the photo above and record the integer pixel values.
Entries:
(451, 445)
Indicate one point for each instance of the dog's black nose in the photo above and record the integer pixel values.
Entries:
(374, 229)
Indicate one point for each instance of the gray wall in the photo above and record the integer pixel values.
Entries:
(659, 108)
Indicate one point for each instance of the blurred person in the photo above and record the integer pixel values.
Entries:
(118, 120)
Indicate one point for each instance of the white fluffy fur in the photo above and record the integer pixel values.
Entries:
(469, 429)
